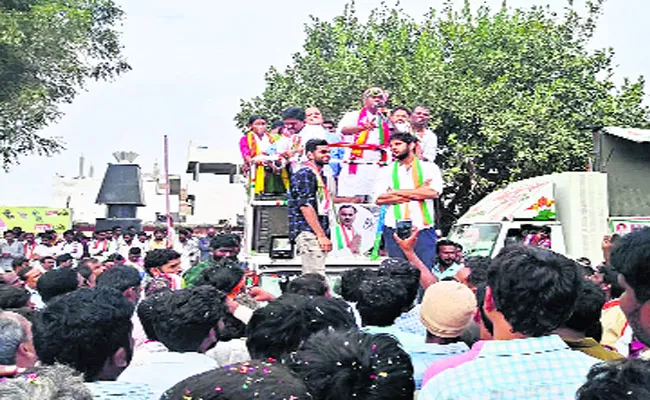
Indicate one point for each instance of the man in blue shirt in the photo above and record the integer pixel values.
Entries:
(204, 244)
(530, 292)
(309, 203)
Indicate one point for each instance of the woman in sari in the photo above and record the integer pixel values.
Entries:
(260, 154)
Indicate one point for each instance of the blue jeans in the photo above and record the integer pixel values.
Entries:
(425, 247)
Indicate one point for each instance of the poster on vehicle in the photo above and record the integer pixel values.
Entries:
(354, 230)
(623, 226)
(35, 219)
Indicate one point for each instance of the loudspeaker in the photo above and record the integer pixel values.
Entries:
(268, 221)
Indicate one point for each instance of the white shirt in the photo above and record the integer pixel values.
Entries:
(352, 119)
(43, 251)
(429, 144)
(75, 249)
(163, 370)
(430, 171)
(14, 250)
(99, 248)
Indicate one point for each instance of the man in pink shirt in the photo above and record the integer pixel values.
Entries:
(485, 326)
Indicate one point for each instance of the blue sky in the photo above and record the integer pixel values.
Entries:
(192, 63)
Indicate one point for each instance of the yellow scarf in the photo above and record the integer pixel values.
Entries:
(258, 180)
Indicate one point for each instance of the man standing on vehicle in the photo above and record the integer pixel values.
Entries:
(309, 204)
(407, 188)
(369, 126)
(427, 148)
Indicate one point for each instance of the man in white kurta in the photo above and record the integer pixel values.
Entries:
(365, 127)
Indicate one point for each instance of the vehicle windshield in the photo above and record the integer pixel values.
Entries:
(476, 239)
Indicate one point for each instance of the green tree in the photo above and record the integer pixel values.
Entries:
(513, 93)
(48, 50)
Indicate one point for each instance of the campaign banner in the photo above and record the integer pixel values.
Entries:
(354, 229)
(623, 226)
(35, 219)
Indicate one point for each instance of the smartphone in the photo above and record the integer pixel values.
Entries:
(404, 228)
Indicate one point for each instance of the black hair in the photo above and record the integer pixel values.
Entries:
(348, 206)
(480, 300)
(404, 272)
(84, 329)
(23, 273)
(160, 230)
(183, 319)
(48, 258)
(48, 236)
(459, 247)
(631, 258)
(355, 365)
(128, 233)
(159, 257)
(478, 267)
(535, 289)
(403, 137)
(136, 251)
(183, 231)
(63, 258)
(57, 282)
(588, 308)
(610, 277)
(231, 328)
(13, 297)
(17, 262)
(116, 258)
(254, 118)
(224, 276)
(247, 380)
(146, 314)
(624, 379)
(115, 228)
(381, 300)
(444, 242)
(329, 121)
(312, 144)
(308, 285)
(84, 270)
(348, 286)
(69, 232)
(120, 277)
(402, 108)
(280, 327)
(225, 240)
(142, 233)
(277, 124)
(294, 113)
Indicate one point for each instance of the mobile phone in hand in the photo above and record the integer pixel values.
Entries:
(404, 229)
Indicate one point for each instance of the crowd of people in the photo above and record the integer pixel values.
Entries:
(529, 323)
(375, 156)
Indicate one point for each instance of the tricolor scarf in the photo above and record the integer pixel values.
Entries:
(323, 198)
(418, 180)
(259, 169)
(341, 234)
(362, 137)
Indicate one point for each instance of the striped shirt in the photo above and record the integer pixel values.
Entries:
(532, 368)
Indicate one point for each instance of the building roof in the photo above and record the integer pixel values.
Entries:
(219, 161)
